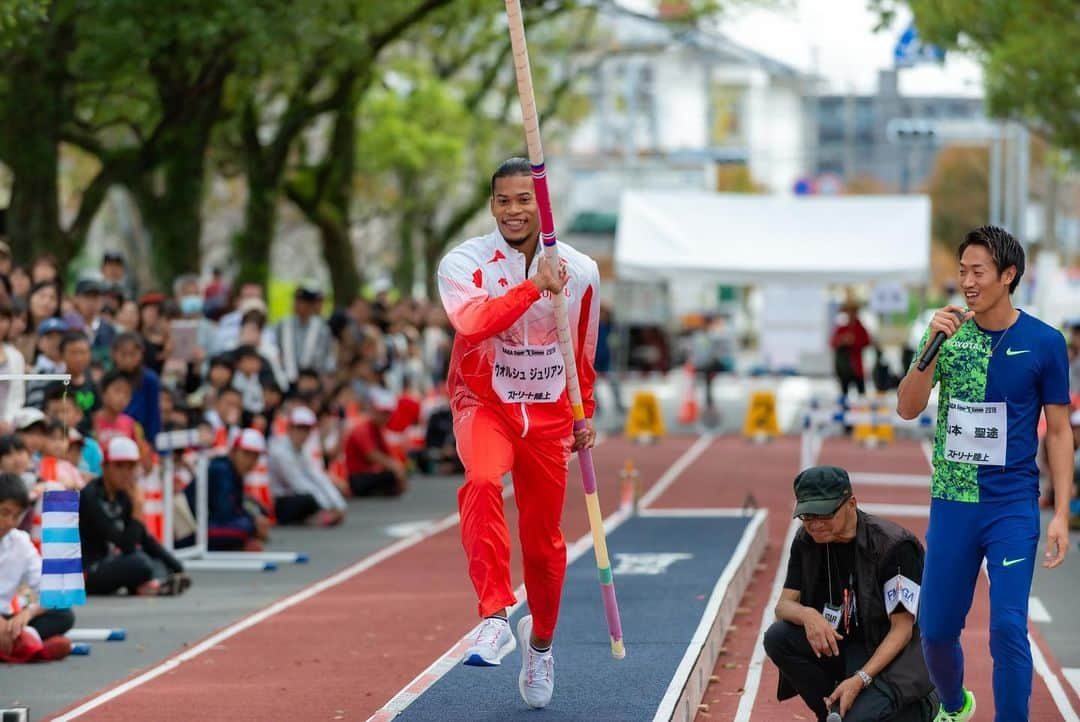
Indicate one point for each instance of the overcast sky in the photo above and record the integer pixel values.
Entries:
(848, 53)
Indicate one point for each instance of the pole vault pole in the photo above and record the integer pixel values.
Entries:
(573, 389)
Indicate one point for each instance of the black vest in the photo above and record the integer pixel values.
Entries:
(906, 676)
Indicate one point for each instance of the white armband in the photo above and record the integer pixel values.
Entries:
(901, 590)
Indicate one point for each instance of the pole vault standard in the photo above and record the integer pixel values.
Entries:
(547, 235)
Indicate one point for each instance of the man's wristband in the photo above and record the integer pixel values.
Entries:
(866, 679)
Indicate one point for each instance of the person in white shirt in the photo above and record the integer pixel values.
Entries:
(295, 479)
(20, 568)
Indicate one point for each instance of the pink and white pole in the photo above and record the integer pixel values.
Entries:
(547, 235)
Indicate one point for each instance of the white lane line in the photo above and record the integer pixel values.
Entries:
(757, 660)
(1042, 667)
(270, 611)
(921, 481)
(669, 476)
(928, 452)
(701, 635)
(1037, 611)
(1072, 674)
(260, 616)
(1057, 691)
(410, 692)
(922, 510)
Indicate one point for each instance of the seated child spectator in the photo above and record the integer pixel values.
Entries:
(225, 416)
(61, 406)
(128, 355)
(15, 459)
(48, 360)
(32, 633)
(232, 521)
(299, 485)
(218, 376)
(75, 351)
(54, 465)
(111, 419)
(372, 467)
(117, 551)
(247, 380)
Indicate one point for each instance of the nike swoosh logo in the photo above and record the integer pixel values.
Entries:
(1010, 562)
(1010, 352)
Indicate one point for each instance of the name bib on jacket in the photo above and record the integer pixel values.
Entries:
(528, 374)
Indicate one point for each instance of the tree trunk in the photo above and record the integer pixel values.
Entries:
(191, 106)
(339, 255)
(253, 243)
(32, 149)
(174, 219)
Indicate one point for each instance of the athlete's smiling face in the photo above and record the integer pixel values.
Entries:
(983, 285)
(513, 204)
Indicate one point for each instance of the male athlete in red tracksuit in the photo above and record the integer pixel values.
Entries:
(508, 397)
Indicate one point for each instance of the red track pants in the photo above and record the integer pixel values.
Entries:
(489, 447)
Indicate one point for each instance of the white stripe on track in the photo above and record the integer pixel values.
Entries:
(757, 659)
(266, 613)
(448, 660)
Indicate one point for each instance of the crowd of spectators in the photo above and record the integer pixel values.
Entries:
(310, 409)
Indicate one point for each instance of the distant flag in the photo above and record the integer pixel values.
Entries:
(62, 583)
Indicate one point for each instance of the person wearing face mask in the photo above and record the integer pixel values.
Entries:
(189, 301)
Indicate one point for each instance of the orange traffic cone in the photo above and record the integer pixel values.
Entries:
(153, 502)
(257, 486)
(688, 412)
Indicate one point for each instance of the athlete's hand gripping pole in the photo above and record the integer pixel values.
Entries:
(573, 389)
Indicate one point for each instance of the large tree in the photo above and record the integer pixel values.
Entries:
(322, 72)
(140, 92)
(447, 113)
(1027, 50)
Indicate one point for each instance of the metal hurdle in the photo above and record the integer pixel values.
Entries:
(199, 557)
(818, 423)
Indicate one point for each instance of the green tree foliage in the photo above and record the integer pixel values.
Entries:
(1027, 50)
(16, 17)
(331, 64)
(454, 112)
(349, 108)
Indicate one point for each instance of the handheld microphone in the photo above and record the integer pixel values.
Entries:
(834, 715)
(934, 346)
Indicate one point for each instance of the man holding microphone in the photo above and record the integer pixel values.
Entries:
(999, 369)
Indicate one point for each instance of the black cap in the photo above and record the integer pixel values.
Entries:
(821, 490)
(308, 291)
(87, 286)
(112, 257)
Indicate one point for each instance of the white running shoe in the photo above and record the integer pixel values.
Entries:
(494, 640)
(537, 679)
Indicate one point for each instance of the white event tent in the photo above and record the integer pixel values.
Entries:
(740, 239)
(790, 247)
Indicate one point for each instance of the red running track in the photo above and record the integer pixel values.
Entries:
(767, 472)
(347, 650)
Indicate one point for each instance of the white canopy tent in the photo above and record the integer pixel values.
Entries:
(792, 248)
(741, 239)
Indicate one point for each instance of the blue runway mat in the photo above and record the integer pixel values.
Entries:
(660, 613)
